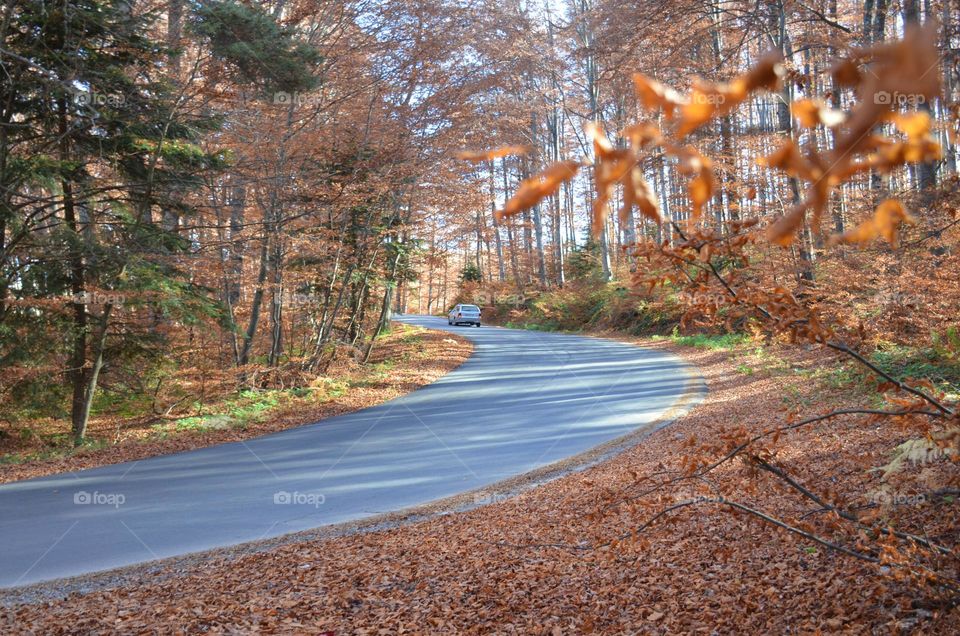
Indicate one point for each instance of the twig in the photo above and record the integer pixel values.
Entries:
(695, 502)
(906, 536)
(836, 346)
(741, 447)
(839, 346)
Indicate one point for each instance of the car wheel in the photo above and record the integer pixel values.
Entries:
(478, 324)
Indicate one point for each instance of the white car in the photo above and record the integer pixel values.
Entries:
(464, 315)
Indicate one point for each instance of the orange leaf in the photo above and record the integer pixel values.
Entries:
(706, 100)
(914, 125)
(886, 222)
(709, 100)
(477, 156)
(536, 188)
(601, 145)
(637, 191)
(642, 135)
(784, 230)
(846, 73)
(701, 186)
(789, 159)
(811, 112)
(611, 166)
(654, 95)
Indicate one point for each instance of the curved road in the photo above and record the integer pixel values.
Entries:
(522, 401)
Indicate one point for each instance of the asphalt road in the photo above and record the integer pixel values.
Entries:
(522, 401)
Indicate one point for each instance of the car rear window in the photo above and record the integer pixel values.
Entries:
(470, 308)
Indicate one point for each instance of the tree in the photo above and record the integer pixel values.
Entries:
(471, 274)
(97, 150)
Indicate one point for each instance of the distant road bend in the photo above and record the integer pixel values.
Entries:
(524, 400)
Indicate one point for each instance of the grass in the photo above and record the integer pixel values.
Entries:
(533, 326)
(377, 374)
(931, 363)
(586, 305)
(939, 362)
(840, 376)
(60, 446)
(251, 406)
(792, 397)
(722, 342)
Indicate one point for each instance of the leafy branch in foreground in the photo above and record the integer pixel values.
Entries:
(711, 266)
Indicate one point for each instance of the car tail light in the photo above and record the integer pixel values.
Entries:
(459, 315)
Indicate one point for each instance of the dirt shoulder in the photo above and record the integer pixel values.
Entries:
(542, 561)
(404, 360)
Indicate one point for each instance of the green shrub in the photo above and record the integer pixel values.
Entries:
(722, 342)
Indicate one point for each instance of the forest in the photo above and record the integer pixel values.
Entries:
(228, 202)
(230, 192)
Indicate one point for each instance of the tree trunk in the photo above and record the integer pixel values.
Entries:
(78, 356)
(880, 20)
(785, 124)
(233, 276)
(257, 300)
(835, 90)
(866, 31)
(93, 376)
(384, 321)
(926, 171)
(276, 305)
(582, 9)
(498, 240)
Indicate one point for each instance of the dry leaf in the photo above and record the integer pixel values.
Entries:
(846, 73)
(885, 222)
(654, 95)
(915, 125)
(811, 112)
(637, 191)
(536, 188)
(784, 229)
(710, 100)
(610, 167)
(476, 156)
(789, 159)
(702, 184)
(642, 135)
